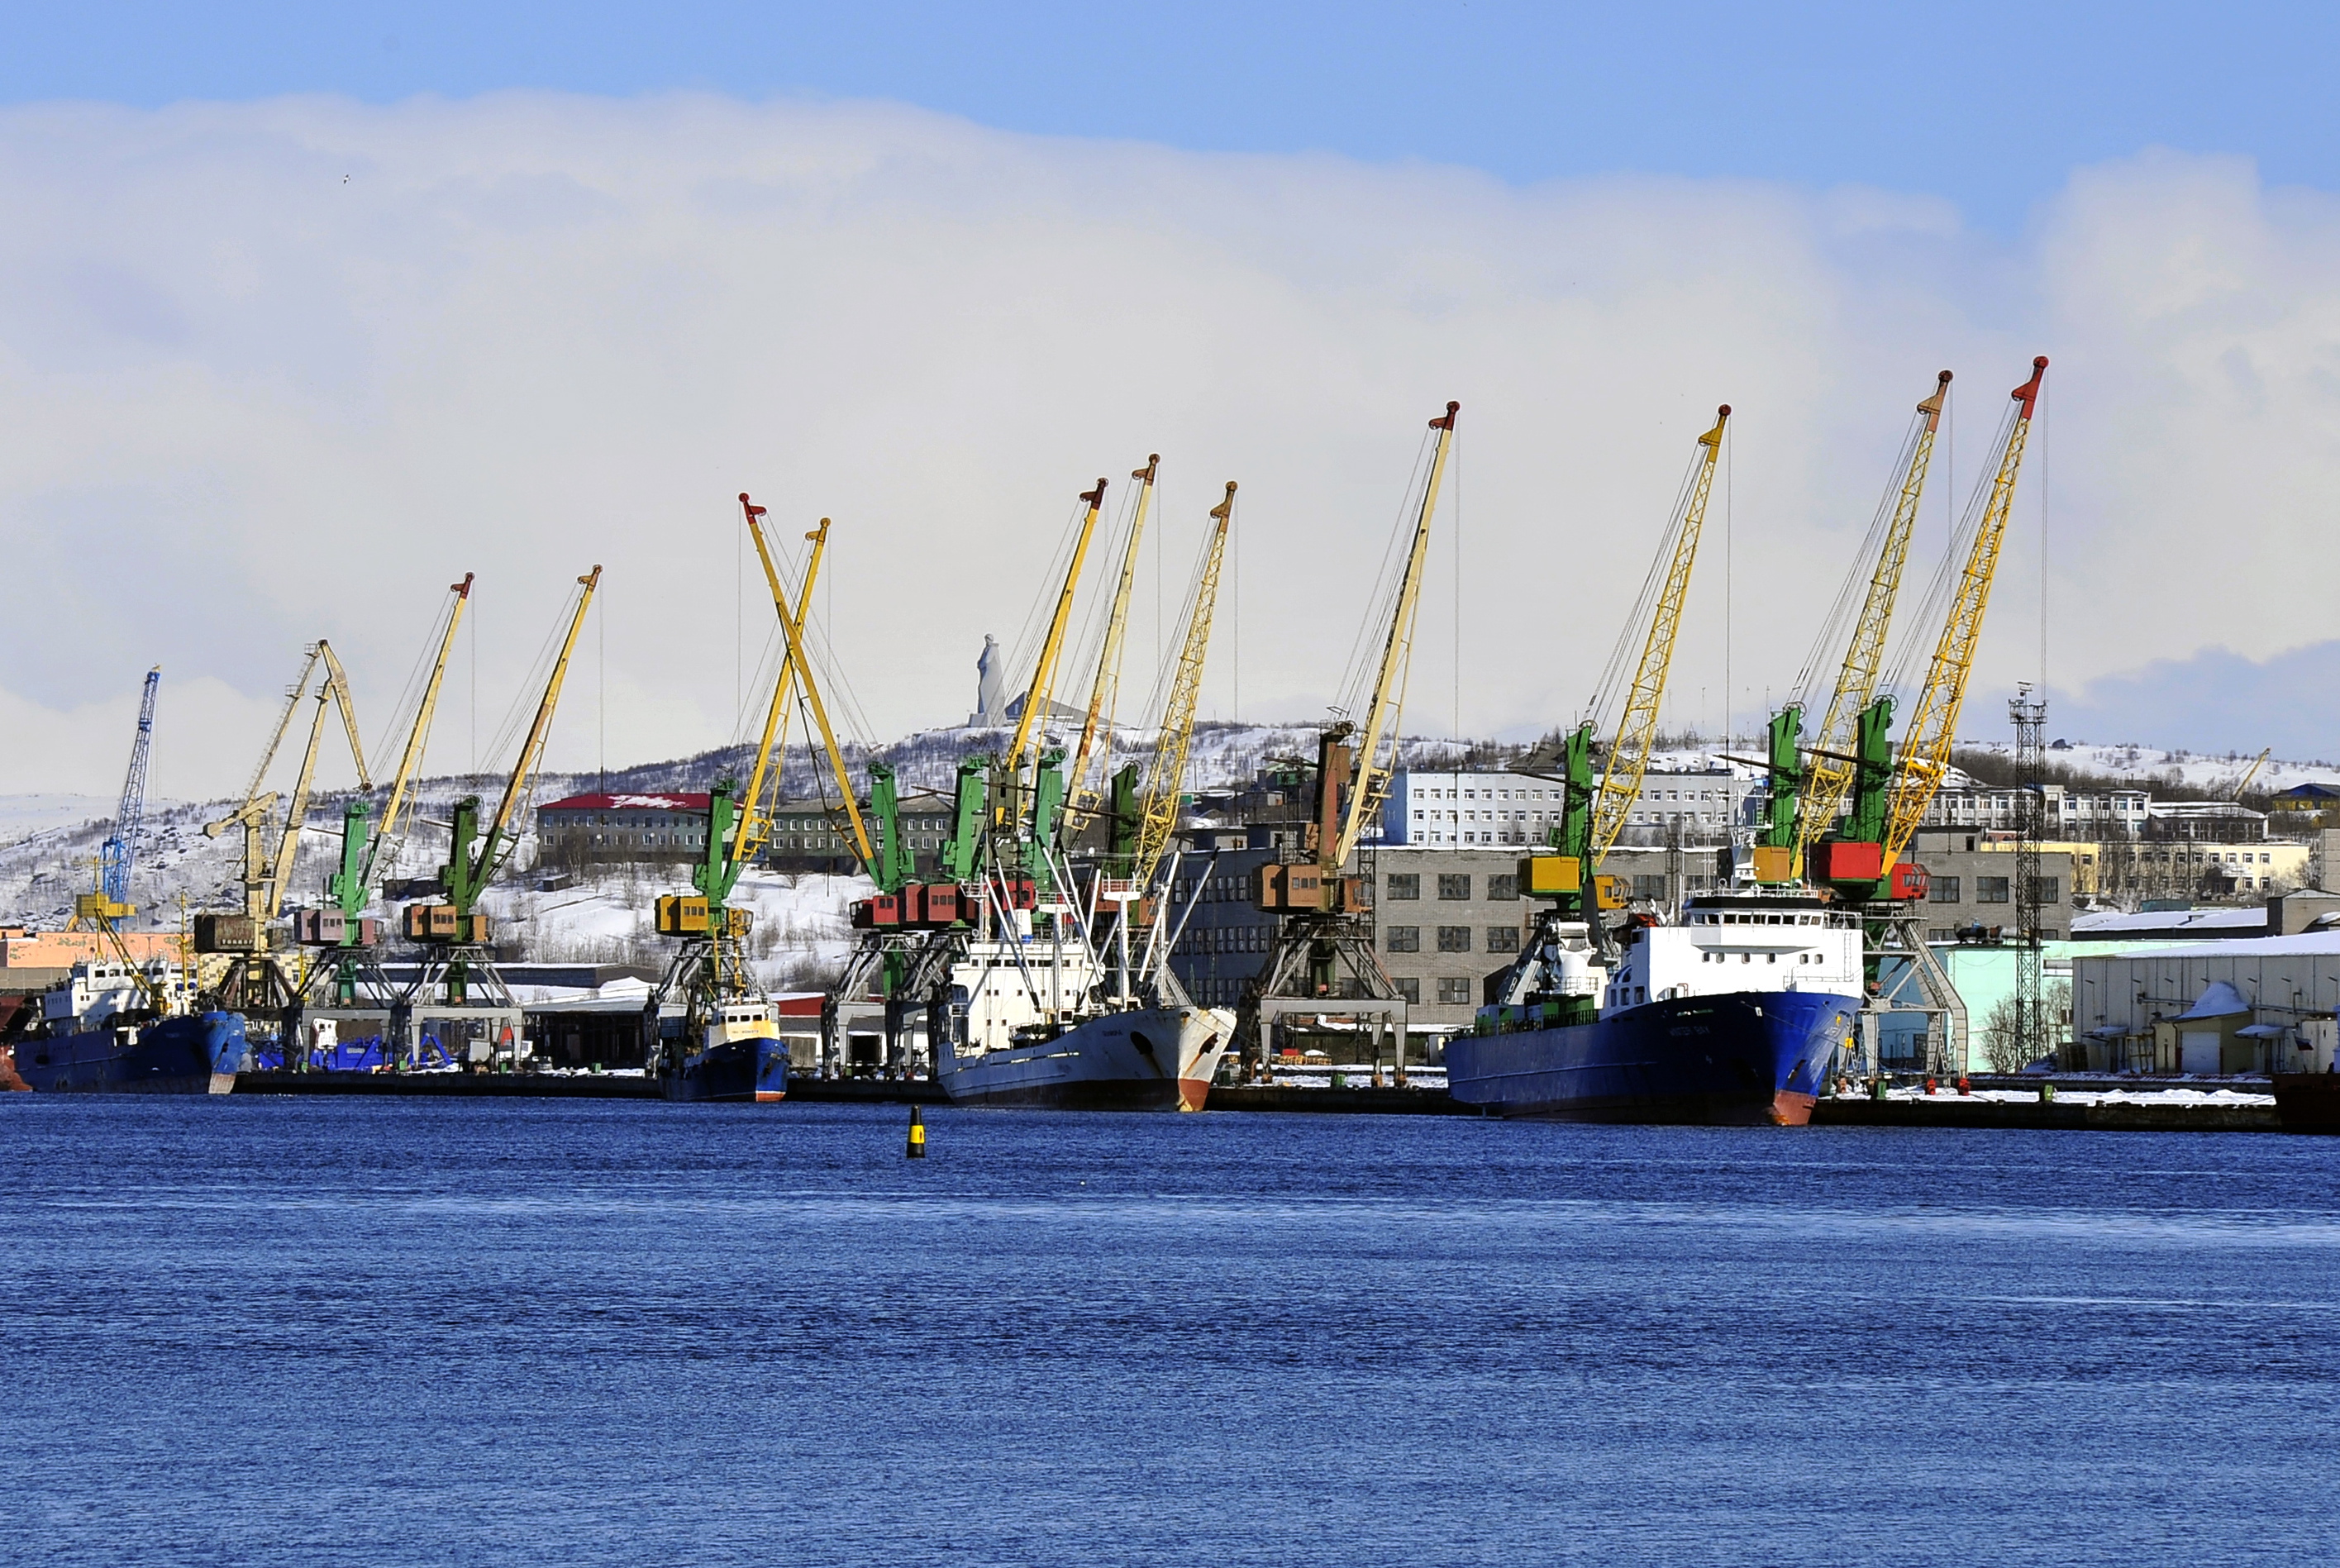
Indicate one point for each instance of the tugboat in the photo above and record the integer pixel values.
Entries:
(114, 1027)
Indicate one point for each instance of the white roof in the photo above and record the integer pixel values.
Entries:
(2171, 920)
(2219, 1001)
(2311, 944)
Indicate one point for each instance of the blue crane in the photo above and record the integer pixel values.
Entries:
(120, 849)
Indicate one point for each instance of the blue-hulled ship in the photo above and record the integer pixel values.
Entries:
(1739, 1014)
(108, 1029)
(737, 1054)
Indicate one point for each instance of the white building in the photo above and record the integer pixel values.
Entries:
(2089, 814)
(1500, 811)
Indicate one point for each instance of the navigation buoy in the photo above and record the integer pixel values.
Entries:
(917, 1149)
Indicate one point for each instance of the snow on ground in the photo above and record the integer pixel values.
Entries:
(2106, 1097)
(800, 928)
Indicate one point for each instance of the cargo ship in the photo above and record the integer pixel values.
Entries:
(107, 1029)
(1737, 1015)
(1040, 1020)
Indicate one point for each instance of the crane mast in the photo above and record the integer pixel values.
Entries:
(1157, 812)
(1933, 724)
(1105, 690)
(1830, 773)
(1637, 727)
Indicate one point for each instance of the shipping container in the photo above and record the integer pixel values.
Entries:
(226, 934)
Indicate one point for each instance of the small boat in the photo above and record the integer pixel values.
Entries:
(737, 1056)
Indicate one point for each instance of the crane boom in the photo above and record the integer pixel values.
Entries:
(1157, 812)
(1933, 724)
(755, 818)
(119, 853)
(811, 688)
(498, 845)
(1043, 673)
(1829, 774)
(2250, 773)
(409, 760)
(333, 689)
(1105, 691)
(1372, 769)
(1637, 727)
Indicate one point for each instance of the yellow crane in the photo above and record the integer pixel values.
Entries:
(1830, 773)
(255, 979)
(1105, 690)
(789, 624)
(1925, 753)
(1637, 725)
(1037, 694)
(457, 922)
(418, 736)
(1320, 929)
(755, 818)
(1370, 780)
(2249, 774)
(1157, 812)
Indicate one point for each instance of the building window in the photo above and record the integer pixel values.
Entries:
(1503, 889)
(1945, 890)
(1455, 991)
(1401, 939)
(1405, 884)
(1647, 886)
(1991, 890)
(1453, 938)
(1502, 939)
(2046, 889)
(1454, 887)
(1410, 991)
(1940, 934)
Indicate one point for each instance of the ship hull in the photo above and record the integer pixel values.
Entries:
(198, 1055)
(2307, 1102)
(745, 1071)
(1146, 1059)
(1742, 1059)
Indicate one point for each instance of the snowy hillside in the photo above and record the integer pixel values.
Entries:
(2149, 766)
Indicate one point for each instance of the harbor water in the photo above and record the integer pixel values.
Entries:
(321, 1331)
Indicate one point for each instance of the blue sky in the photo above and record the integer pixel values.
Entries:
(1989, 105)
(263, 255)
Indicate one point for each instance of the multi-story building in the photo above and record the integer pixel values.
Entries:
(584, 830)
(2067, 813)
(617, 828)
(1971, 886)
(1507, 810)
(1443, 920)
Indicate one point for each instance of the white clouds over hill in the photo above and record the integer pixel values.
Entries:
(284, 370)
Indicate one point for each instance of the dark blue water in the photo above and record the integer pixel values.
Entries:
(256, 1331)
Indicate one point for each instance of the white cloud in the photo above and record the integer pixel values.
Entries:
(284, 370)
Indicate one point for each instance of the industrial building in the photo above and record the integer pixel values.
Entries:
(2254, 1005)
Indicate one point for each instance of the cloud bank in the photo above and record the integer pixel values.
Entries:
(280, 371)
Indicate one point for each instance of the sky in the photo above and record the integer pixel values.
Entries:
(303, 313)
